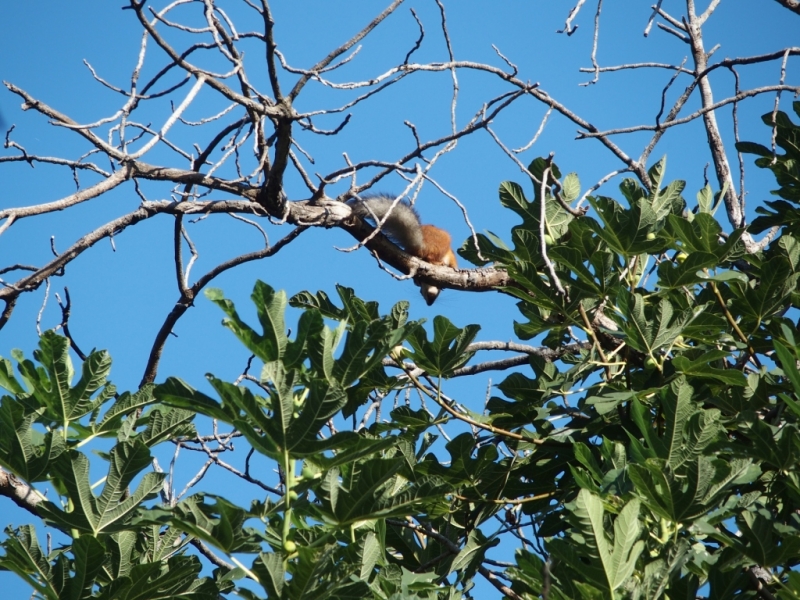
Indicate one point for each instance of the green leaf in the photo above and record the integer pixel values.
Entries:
(789, 368)
(473, 552)
(627, 546)
(677, 410)
(619, 559)
(701, 367)
(375, 489)
(776, 283)
(268, 567)
(51, 383)
(175, 392)
(23, 449)
(319, 302)
(512, 196)
(7, 379)
(270, 306)
(178, 577)
(24, 556)
(126, 404)
(448, 349)
(163, 425)
(89, 559)
(753, 148)
(113, 508)
(219, 523)
(371, 553)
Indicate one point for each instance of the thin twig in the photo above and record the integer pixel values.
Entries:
(568, 28)
(595, 37)
(66, 308)
(542, 227)
(656, 8)
(776, 106)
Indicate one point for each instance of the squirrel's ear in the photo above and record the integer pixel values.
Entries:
(429, 292)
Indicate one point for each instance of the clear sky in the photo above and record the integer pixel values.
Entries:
(122, 294)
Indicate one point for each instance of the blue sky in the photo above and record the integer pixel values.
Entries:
(121, 295)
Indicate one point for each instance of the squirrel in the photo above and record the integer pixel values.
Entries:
(402, 226)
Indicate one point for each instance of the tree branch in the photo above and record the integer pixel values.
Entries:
(20, 493)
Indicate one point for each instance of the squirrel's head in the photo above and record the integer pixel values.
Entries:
(429, 292)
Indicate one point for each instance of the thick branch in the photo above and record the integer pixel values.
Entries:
(206, 551)
(271, 196)
(269, 26)
(304, 213)
(20, 493)
(715, 144)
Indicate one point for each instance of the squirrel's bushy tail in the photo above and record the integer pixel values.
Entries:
(402, 224)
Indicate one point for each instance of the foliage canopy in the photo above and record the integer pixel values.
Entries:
(659, 459)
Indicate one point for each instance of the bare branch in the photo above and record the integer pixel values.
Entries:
(298, 87)
(536, 135)
(656, 8)
(669, 18)
(418, 43)
(712, 6)
(596, 35)
(63, 120)
(92, 192)
(201, 79)
(66, 308)
(752, 60)
(671, 31)
(703, 112)
(597, 185)
(453, 70)
(644, 65)
(543, 188)
(568, 28)
(775, 108)
(715, 143)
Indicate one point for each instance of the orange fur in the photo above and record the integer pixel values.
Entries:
(436, 247)
(437, 251)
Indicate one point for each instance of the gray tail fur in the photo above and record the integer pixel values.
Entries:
(402, 224)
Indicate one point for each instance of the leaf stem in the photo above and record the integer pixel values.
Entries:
(734, 324)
